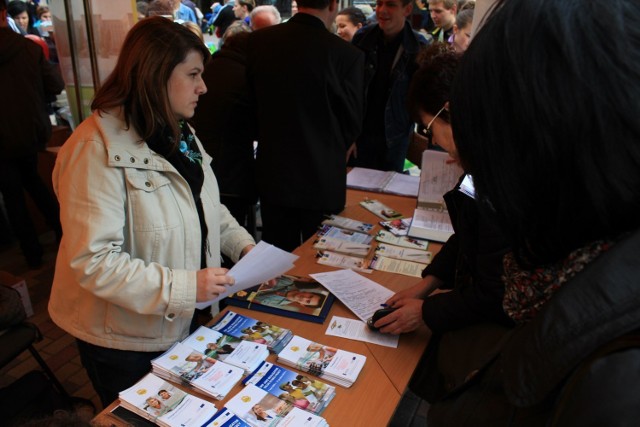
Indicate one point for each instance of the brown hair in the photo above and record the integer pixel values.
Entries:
(138, 83)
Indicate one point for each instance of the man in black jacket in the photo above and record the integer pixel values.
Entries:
(27, 78)
(309, 93)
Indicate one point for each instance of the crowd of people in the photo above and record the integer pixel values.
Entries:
(532, 303)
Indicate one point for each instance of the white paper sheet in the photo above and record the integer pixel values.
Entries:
(361, 295)
(262, 263)
(359, 331)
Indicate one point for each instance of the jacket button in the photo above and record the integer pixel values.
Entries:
(171, 315)
(148, 184)
(117, 158)
(132, 160)
(146, 161)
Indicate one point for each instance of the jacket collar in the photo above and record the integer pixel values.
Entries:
(307, 19)
(411, 41)
(599, 304)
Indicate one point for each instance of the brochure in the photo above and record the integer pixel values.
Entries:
(249, 329)
(348, 223)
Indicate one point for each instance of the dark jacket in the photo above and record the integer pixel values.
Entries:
(398, 123)
(308, 89)
(225, 124)
(470, 264)
(576, 363)
(26, 79)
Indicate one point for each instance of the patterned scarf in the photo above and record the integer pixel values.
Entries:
(526, 291)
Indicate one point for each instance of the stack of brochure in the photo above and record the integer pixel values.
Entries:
(300, 390)
(338, 366)
(166, 405)
(259, 408)
(248, 329)
(234, 351)
(181, 363)
(226, 418)
(348, 223)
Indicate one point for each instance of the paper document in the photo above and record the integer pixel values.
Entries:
(359, 331)
(262, 263)
(361, 295)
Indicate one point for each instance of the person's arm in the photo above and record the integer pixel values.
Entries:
(350, 102)
(51, 78)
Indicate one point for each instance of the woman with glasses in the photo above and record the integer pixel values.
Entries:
(469, 265)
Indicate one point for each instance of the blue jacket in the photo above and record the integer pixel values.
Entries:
(398, 123)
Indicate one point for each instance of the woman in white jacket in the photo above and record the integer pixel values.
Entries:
(143, 227)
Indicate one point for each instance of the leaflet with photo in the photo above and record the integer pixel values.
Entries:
(348, 223)
(339, 366)
(343, 234)
(380, 209)
(182, 363)
(249, 329)
(260, 408)
(406, 254)
(300, 390)
(404, 241)
(165, 404)
(399, 227)
(226, 418)
(343, 261)
(390, 265)
(341, 246)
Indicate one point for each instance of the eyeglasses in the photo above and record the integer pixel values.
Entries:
(427, 131)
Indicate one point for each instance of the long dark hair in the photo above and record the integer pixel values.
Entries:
(546, 117)
(138, 83)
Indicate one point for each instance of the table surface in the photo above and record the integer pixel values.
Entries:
(373, 398)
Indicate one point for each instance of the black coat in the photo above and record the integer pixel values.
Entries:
(577, 363)
(309, 94)
(26, 79)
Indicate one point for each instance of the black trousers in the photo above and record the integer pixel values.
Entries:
(16, 177)
(287, 228)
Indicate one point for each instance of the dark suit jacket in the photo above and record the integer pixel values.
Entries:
(309, 94)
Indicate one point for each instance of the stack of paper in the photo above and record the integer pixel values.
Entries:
(234, 351)
(338, 366)
(164, 404)
(384, 182)
(226, 418)
(344, 234)
(248, 329)
(348, 223)
(181, 363)
(262, 263)
(259, 408)
(301, 391)
(341, 246)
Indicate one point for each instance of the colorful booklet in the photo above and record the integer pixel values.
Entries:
(343, 234)
(165, 404)
(399, 227)
(335, 365)
(259, 408)
(297, 297)
(182, 363)
(309, 394)
(348, 223)
(249, 329)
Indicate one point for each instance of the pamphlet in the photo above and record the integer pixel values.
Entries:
(253, 330)
(399, 266)
(342, 246)
(404, 241)
(380, 209)
(348, 223)
(399, 227)
(344, 234)
(383, 181)
(406, 254)
(343, 261)
(357, 330)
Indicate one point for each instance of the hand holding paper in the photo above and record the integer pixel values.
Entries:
(262, 263)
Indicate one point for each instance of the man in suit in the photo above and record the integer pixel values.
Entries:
(308, 91)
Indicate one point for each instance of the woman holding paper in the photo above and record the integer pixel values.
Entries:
(143, 224)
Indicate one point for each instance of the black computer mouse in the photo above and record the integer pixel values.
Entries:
(379, 314)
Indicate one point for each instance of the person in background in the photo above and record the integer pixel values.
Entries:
(561, 174)
(19, 11)
(142, 7)
(140, 209)
(195, 29)
(264, 16)
(349, 20)
(443, 14)
(225, 124)
(461, 36)
(391, 47)
(224, 19)
(302, 146)
(242, 9)
(25, 128)
(182, 13)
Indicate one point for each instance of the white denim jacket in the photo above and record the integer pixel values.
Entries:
(126, 269)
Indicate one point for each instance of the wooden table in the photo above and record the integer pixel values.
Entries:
(373, 398)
